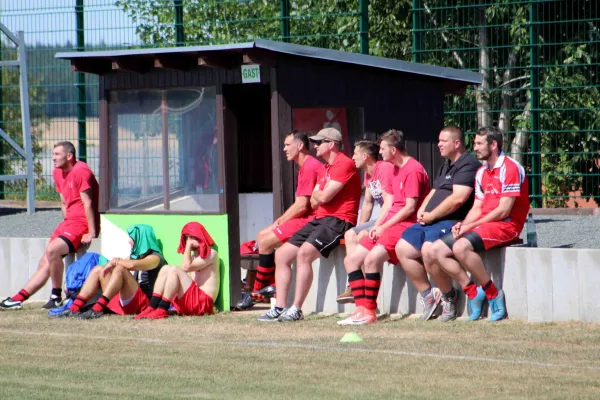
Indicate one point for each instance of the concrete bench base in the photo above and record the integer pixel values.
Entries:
(541, 285)
(19, 258)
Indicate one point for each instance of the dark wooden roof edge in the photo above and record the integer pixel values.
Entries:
(89, 58)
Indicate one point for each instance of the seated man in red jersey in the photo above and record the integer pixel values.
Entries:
(410, 186)
(295, 217)
(336, 198)
(496, 218)
(174, 286)
(78, 191)
(378, 184)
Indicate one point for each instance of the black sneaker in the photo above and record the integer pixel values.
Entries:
(53, 302)
(268, 291)
(245, 303)
(67, 313)
(90, 314)
(10, 304)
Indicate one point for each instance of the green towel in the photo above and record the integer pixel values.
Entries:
(144, 240)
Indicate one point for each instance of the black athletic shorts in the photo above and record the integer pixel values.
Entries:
(324, 233)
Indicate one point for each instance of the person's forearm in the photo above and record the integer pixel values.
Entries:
(187, 257)
(400, 216)
(89, 216)
(295, 210)
(365, 212)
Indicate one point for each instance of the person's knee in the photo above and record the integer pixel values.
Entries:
(403, 250)
(371, 263)
(307, 255)
(350, 236)
(461, 248)
(261, 238)
(53, 253)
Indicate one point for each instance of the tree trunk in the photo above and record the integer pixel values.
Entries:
(519, 143)
(484, 115)
(504, 122)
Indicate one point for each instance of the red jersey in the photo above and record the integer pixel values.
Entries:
(380, 181)
(345, 203)
(506, 179)
(70, 185)
(307, 179)
(409, 181)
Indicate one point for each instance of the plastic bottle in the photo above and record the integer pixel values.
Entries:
(531, 233)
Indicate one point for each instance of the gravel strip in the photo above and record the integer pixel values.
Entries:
(566, 231)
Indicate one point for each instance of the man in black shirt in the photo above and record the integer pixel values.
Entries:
(449, 201)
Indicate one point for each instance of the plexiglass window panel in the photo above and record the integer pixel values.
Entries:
(141, 120)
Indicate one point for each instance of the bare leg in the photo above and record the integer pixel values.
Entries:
(304, 273)
(441, 279)
(267, 241)
(161, 279)
(375, 259)
(92, 283)
(121, 281)
(354, 261)
(444, 258)
(410, 261)
(464, 253)
(177, 283)
(50, 265)
(284, 256)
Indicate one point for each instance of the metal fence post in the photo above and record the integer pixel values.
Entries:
(416, 31)
(364, 26)
(1, 127)
(535, 139)
(285, 20)
(80, 85)
(179, 28)
(26, 123)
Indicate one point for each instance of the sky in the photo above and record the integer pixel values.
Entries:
(52, 22)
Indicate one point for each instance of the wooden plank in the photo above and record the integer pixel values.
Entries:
(138, 65)
(215, 61)
(260, 57)
(425, 158)
(180, 63)
(231, 184)
(96, 66)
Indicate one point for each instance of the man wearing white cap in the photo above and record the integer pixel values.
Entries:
(336, 199)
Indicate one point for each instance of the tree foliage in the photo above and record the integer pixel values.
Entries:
(493, 37)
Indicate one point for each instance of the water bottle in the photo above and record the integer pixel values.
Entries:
(531, 233)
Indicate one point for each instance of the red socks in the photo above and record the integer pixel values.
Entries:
(21, 296)
(265, 275)
(78, 304)
(470, 290)
(356, 281)
(101, 304)
(490, 290)
(372, 285)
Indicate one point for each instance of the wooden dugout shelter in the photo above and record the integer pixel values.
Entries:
(196, 133)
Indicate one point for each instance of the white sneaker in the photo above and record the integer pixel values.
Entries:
(348, 321)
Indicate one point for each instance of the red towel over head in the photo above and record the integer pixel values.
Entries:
(198, 231)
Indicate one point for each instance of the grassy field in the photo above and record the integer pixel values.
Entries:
(233, 356)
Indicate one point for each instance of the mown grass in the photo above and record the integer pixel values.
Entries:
(233, 356)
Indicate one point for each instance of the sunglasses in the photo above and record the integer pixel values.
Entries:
(318, 142)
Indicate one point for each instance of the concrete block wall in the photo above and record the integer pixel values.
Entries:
(541, 285)
(19, 258)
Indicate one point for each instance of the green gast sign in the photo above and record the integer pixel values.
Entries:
(251, 73)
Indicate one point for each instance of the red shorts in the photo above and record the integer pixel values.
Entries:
(388, 240)
(138, 302)
(194, 302)
(72, 231)
(286, 230)
(497, 233)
